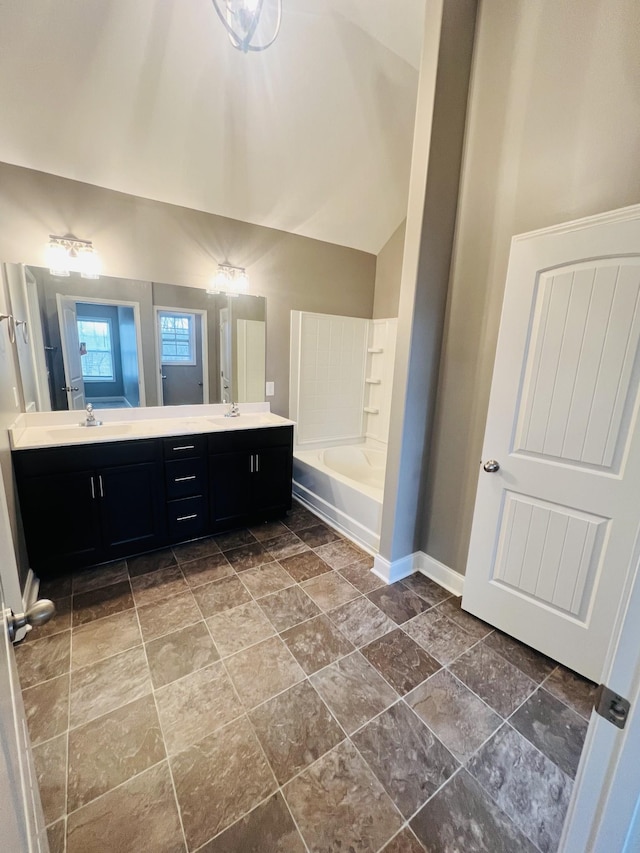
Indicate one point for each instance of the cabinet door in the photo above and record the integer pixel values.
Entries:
(229, 486)
(131, 499)
(61, 517)
(271, 483)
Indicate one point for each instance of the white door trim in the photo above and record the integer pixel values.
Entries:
(202, 312)
(97, 300)
(602, 815)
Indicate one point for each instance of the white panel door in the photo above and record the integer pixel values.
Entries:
(555, 526)
(71, 357)
(21, 818)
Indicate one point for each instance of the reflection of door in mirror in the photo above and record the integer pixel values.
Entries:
(71, 355)
(182, 357)
(225, 356)
(100, 353)
(223, 363)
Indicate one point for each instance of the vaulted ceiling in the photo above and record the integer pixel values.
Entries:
(148, 97)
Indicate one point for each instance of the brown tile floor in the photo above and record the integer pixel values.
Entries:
(263, 691)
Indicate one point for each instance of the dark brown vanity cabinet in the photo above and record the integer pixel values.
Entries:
(90, 503)
(249, 475)
(186, 483)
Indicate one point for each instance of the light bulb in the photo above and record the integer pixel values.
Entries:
(57, 259)
(241, 282)
(88, 262)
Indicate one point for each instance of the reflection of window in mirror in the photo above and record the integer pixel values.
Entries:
(96, 349)
(180, 363)
(177, 332)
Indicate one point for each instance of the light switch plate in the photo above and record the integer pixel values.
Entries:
(270, 389)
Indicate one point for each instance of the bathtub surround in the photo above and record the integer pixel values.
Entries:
(367, 713)
(336, 483)
(340, 398)
(340, 379)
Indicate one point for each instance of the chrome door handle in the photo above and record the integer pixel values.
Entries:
(100, 484)
(182, 479)
(39, 613)
(491, 466)
(251, 463)
(93, 489)
(257, 463)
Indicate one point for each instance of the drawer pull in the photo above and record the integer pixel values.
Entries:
(187, 517)
(182, 479)
(185, 447)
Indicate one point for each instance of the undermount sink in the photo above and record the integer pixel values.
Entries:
(245, 421)
(83, 433)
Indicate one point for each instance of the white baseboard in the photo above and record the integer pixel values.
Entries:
(390, 572)
(441, 574)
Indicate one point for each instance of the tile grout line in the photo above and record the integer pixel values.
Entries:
(307, 677)
(564, 701)
(164, 741)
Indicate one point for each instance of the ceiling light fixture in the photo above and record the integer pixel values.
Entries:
(233, 281)
(68, 254)
(245, 20)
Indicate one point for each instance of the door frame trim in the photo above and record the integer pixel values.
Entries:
(202, 312)
(97, 300)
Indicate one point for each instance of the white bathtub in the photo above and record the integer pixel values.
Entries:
(344, 485)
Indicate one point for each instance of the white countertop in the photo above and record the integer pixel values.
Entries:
(57, 429)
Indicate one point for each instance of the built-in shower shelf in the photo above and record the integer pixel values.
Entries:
(371, 411)
(373, 381)
(375, 349)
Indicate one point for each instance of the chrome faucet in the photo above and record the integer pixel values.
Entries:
(91, 418)
(234, 411)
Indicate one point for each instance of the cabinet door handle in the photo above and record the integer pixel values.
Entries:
(182, 479)
(187, 517)
(257, 463)
(252, 463)
(93, 489)
(185, 447)
(100, 484)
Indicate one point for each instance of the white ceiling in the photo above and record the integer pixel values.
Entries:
(148, 97)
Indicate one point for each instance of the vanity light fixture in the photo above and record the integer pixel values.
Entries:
(244, 20)
(230, 280)
(68, 254)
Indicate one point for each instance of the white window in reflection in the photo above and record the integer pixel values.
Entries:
(96, 349)
(177, 333)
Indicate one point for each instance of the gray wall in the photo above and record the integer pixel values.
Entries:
(553, 134)
(148, 240)
(388, 274)
(431, 218)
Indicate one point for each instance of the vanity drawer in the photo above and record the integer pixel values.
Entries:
(185, 477)
(187, 518)
(184, 446)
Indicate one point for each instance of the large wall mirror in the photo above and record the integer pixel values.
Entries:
(120, 343)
